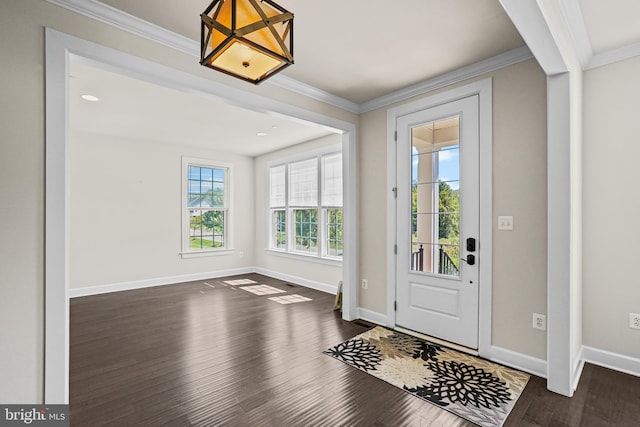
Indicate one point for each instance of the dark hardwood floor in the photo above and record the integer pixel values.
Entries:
(206, 354)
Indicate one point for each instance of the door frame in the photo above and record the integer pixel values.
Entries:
(482, 88)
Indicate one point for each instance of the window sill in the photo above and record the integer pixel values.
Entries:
(212, 252)
(302, 257)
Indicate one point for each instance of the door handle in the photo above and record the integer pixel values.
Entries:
(471, 259)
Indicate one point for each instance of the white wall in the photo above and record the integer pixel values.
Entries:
(519, 189)
(611, 207)
(126, 211)
(372, 183)
(325, 276)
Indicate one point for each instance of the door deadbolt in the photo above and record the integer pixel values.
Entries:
(471, 244)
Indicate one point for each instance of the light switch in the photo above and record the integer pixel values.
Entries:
(505, 223)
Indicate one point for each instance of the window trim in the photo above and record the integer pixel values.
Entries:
(186, 250)
(322, 256)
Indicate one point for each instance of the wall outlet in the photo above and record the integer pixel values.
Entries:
(365, 284)
(539, 321)
(634, 321)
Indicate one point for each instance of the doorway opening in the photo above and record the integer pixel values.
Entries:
(59, 49)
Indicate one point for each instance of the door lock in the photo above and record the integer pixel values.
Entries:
(471, 244)
(471, 259)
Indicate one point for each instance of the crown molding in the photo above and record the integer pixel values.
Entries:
(313, 92)
(116, 18)
(474, 70)
(614, 55)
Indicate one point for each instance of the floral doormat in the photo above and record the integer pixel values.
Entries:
(472, 388)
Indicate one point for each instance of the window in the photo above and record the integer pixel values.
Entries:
(277, 202)
(334, 232)
(280, 228)
(332, 200)
(205, 206)
(305, 206)
(306, 230)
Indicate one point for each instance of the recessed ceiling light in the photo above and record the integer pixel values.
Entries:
(261, 134)
(91, 98)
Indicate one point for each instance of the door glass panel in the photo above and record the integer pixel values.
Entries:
(435, 197)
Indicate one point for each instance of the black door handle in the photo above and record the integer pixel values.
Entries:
(471, 259)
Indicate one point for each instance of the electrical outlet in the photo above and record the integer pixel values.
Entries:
(539, 321)
(634, 321)
(365, 284)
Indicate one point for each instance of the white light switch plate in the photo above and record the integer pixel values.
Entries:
(505, 223)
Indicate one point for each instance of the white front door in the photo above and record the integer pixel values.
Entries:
(438, 221)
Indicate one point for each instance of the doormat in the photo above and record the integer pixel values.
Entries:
(475, 389)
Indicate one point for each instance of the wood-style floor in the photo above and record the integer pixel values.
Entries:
(206, 354)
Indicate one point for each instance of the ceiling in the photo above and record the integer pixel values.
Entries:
(133, 109)
(360, 50)
(357, 50)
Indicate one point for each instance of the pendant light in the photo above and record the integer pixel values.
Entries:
(248, 39)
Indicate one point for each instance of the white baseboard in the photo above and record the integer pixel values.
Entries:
(607, 359)
(147, 283)
(520, 361)
(371, 316)
(319, 286)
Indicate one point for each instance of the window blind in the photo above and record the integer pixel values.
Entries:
(277, 186)
(303, 183)
(332, 180)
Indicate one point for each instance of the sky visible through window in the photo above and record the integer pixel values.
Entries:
(448, 160)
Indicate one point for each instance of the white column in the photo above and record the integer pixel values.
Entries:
(426, 198)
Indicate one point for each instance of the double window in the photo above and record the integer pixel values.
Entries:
(305, 206)
(205, 206)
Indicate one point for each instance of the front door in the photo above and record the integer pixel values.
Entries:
(438, 221)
